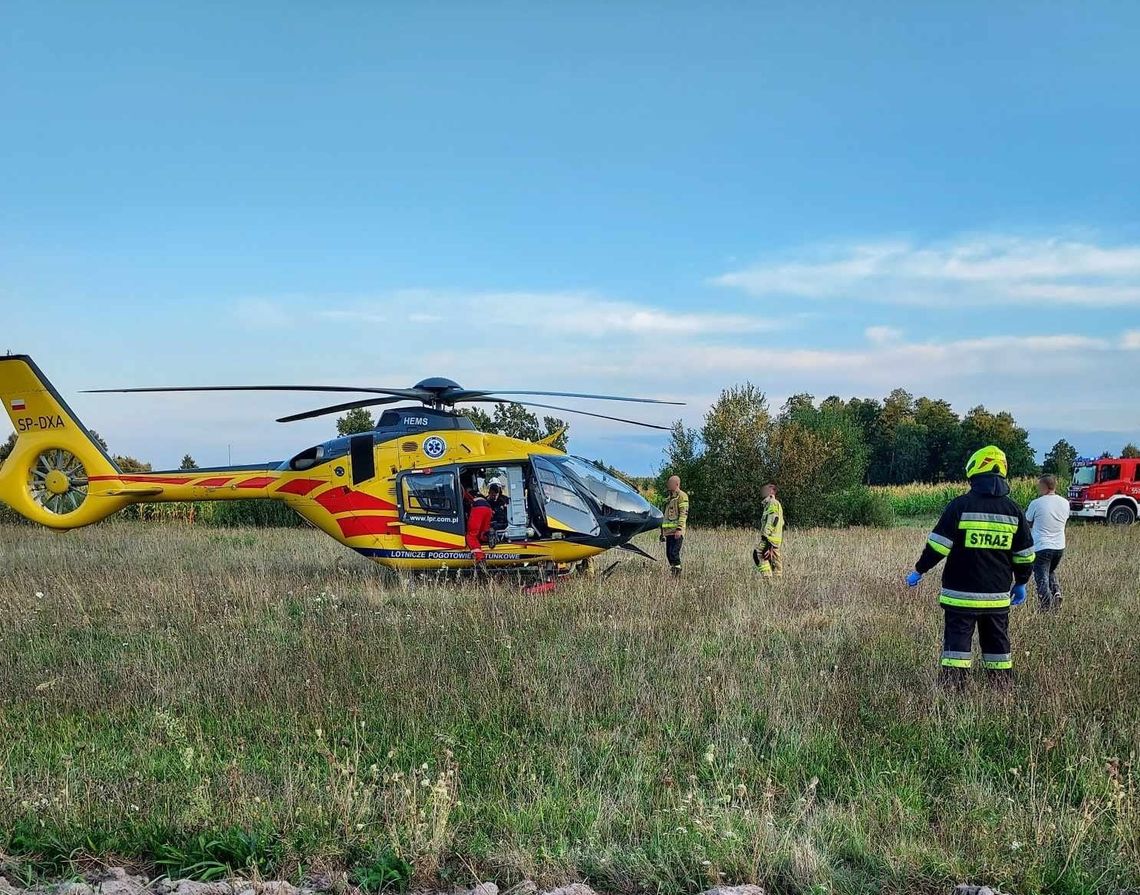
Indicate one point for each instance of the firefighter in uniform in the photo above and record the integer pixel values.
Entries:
(673, 526)
(766, 554)
(987, 545)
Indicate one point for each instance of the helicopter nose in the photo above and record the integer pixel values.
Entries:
(653, 519)
(631, 523)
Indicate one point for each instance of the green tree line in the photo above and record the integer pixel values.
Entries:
(824, 454)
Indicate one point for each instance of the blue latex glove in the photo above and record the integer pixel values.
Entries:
(913, 578)
(1018, 594)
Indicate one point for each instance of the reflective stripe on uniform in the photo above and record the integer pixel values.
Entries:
(1025, 556)
(955, 659)
(989, 517)
(997, 661)
(676, 512)
(939, 543)
(968, 525)
(972, 600)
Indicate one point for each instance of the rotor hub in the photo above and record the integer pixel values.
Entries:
(437, 384)
(57, 482)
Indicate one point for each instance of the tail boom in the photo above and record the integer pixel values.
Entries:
(59, 476)
(213, 484)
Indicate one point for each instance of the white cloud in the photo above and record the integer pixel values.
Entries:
(579, 341)
(882, 335)
(351, 315)
(1050, 380)
(999, 371)
(897, 361)
(589, 316)
(568, 313)
(967, 271)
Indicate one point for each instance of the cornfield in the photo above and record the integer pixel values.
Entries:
(922, 499)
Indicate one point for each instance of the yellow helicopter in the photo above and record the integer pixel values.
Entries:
(402, 495)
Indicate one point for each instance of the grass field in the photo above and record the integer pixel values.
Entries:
(189, 699)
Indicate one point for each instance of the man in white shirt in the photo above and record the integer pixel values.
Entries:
(1048, 515)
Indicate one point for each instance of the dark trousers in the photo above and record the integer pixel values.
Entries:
(673, 551)
(993, 636)
(1045, 577)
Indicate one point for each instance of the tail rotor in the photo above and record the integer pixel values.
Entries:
(57, 481)
(57, 474)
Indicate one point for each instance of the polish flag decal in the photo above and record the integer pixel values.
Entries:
(18, 404)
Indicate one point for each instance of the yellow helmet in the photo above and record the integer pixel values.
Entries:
(991, 458)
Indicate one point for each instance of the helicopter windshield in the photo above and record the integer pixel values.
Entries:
(564, 506)
(610, 492)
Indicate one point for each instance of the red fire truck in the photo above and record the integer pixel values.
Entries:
(1106, 489)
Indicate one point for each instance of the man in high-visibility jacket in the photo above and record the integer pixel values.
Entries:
(766, 554)
(987, 545)
(676, 512)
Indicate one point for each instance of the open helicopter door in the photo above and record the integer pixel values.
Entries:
(563, 506)
(430, 499)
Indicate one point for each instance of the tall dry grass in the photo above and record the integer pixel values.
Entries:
(190, 698)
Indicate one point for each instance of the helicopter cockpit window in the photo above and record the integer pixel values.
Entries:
(430, 498)
(309, 458)
(611, 493)
(563, 504)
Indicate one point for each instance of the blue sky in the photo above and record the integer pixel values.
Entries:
(656, 199)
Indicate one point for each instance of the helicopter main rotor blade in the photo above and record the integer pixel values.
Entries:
(337, 408)
(600, 416)
(412, 394)
(473, 394)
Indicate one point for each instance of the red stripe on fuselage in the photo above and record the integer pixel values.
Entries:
(259, 482)
(355, 526)
(215, 482)
(417, 541)
(299, 486)
(345, 500)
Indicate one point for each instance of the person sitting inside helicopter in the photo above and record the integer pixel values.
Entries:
(479, 515)
(499, 503)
